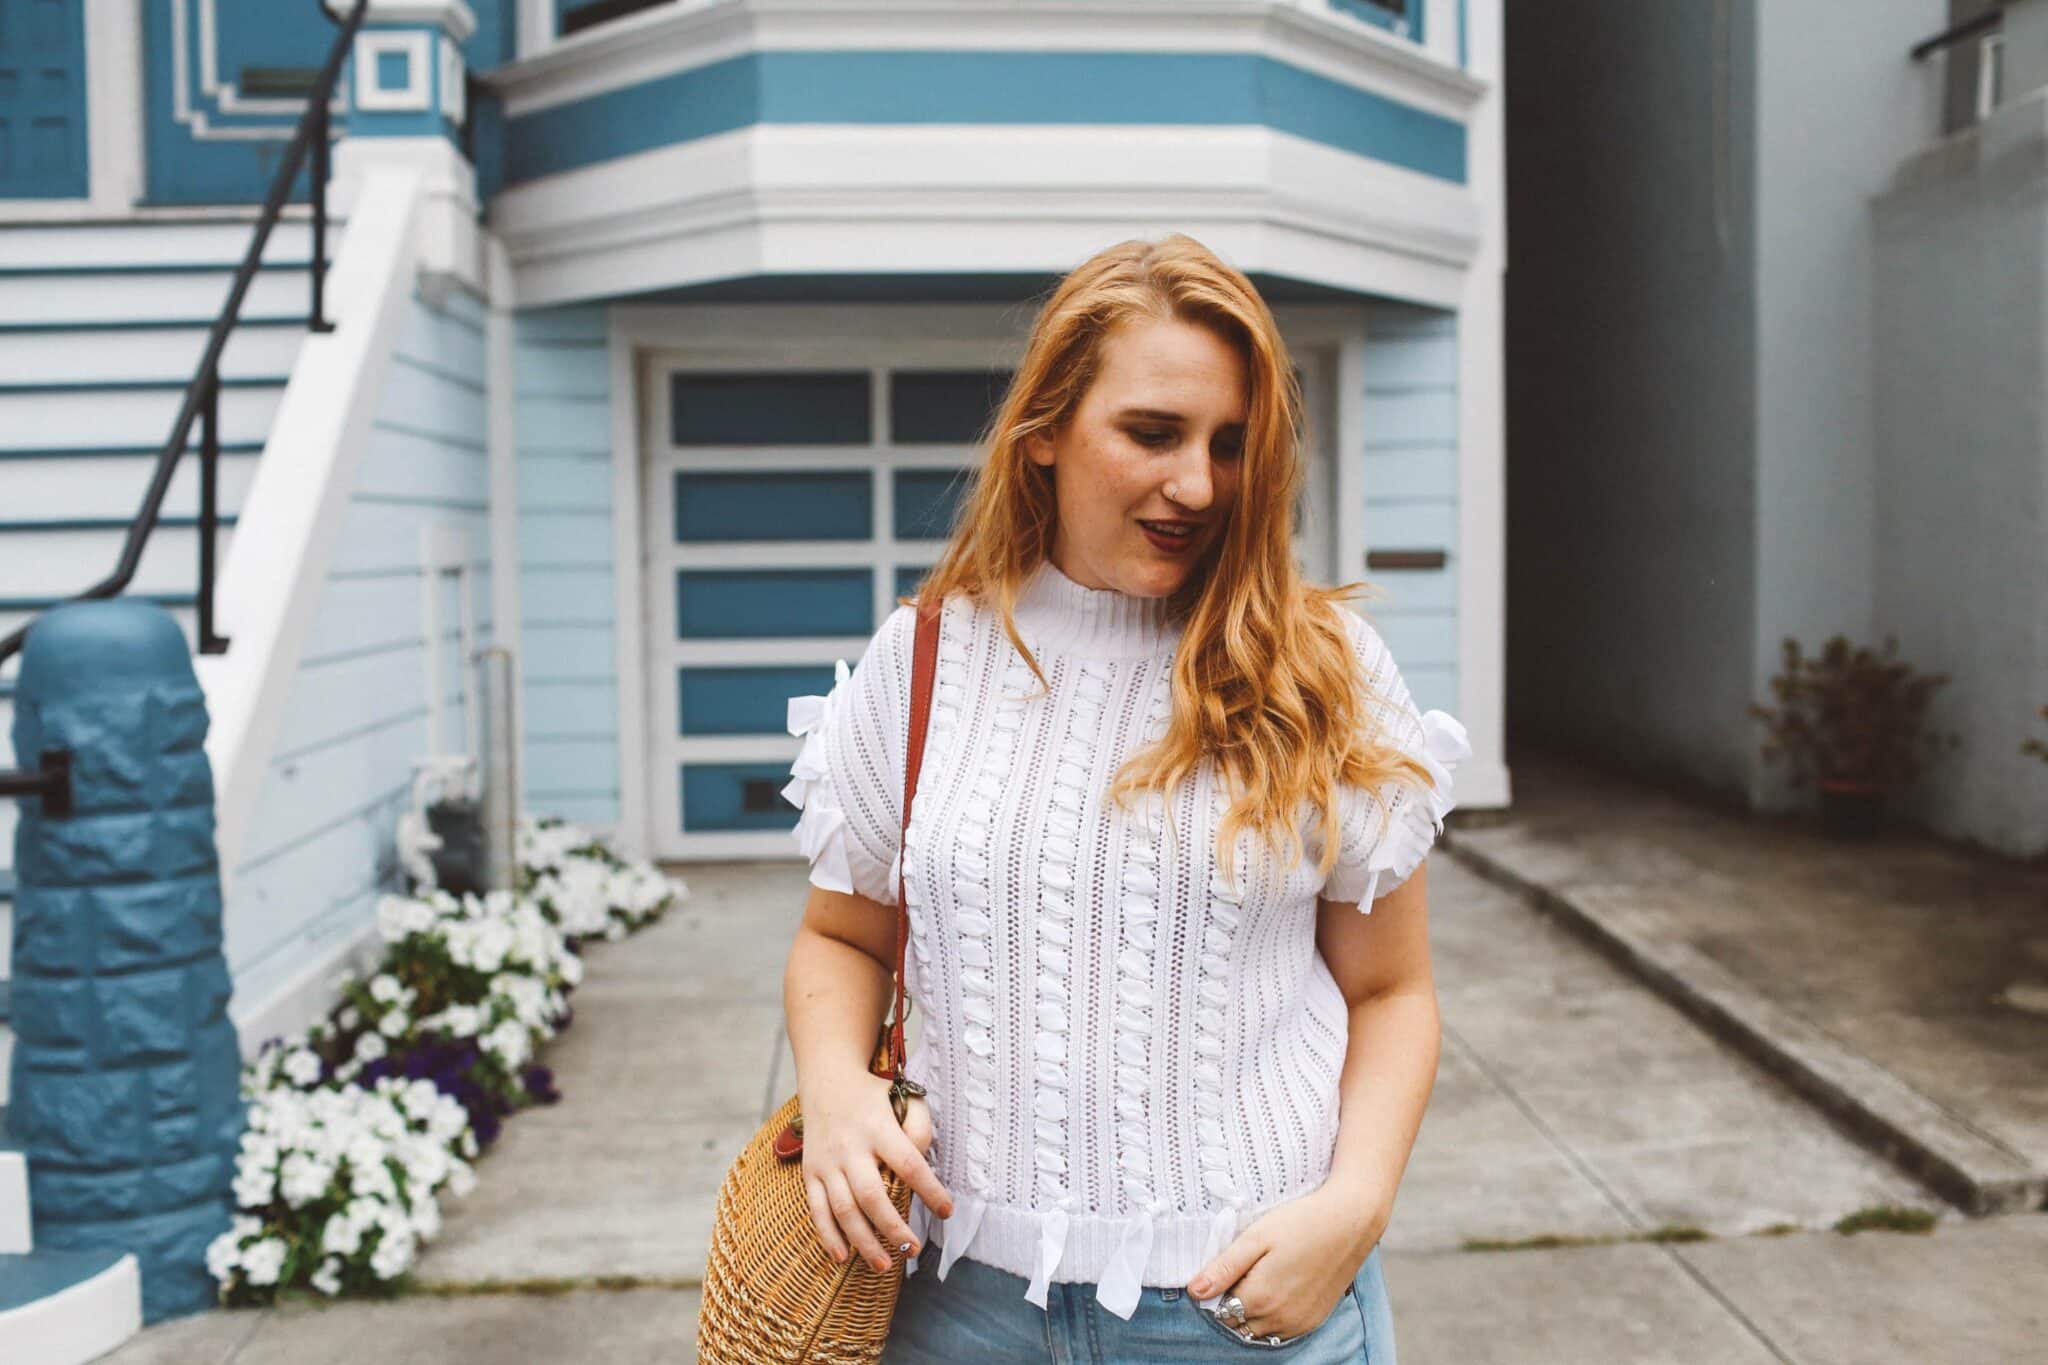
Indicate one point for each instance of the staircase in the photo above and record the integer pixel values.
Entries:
(101, 329)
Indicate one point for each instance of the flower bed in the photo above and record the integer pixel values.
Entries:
(357, 1127)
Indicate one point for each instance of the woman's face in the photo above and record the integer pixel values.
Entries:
(1166, 408)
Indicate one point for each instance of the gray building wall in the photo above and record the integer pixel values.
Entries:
(1962, 460)
(1630, 383)
(1836, 113)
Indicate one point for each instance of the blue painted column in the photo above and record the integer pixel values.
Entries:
(126, 1070)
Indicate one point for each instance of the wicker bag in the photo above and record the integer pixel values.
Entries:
(771, 1290)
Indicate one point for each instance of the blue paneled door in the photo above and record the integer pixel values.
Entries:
(785, 510)
(42, 100)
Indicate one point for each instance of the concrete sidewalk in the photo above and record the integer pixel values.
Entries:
(1570, 1103)
(1899, 984)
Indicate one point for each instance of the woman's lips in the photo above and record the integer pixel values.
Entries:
(1172, 544)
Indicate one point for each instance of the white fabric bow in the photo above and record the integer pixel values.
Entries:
(820, 832)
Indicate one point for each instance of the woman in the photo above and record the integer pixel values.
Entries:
(1148, 988)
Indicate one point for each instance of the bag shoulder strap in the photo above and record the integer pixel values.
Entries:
(923, 665)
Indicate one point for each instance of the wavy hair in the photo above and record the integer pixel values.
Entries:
(1264, 680)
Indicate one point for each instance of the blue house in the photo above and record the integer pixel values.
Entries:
(647, 339)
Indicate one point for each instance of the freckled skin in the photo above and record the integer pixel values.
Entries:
(1111, 468)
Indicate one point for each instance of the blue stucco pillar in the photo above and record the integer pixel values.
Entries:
(126, 1071)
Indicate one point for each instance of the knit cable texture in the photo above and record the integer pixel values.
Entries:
(1127, 1057)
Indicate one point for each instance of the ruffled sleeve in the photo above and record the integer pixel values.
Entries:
(847, 779)
(1385, 834)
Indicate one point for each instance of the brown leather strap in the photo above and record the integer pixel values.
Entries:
(923, 665)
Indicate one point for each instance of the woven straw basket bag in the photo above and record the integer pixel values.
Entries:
(771, 1290)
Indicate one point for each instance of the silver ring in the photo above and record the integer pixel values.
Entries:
(1231, 1310)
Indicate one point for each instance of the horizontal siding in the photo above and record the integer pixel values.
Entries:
(1410, 415)
(321, 845)
(562, 419)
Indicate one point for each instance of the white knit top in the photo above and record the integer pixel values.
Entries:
(1127, 1059)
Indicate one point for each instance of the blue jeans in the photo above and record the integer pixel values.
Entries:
(979, 1313)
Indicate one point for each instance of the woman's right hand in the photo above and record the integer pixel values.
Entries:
(850, 1133)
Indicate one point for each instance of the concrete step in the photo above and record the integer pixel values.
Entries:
(194, 294)
(68, 1307)
(44, 564)
(156, 351)
(159, 241)
(94, 488)
(89, 417)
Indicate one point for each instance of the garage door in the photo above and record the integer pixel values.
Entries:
(786, 509)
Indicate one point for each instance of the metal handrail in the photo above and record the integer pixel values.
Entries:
(1960, 33)
(202, 395)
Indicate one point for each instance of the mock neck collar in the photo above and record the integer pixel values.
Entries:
(1056, 613)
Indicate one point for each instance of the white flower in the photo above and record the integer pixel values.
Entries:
(259, 1148)
(262, 1260)
(394, 1024)
(448, 1121)
(255, 1187)
(372, 1182)
(342, 1235)
(304, 1178)
(302, 1066)
(349, 1017)
(365, 1150)
(509, 1043)
(426, 1218)
(327, 1279)
(393, 1255)
(224, 1255)
(461, 1178)
(369, 1047)
(384, 988)
(616, 932)
(421, 1098)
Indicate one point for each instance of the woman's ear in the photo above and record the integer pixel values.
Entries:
(1038, 448)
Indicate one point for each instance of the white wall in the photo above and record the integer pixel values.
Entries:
(1961, 441)
(1838, 106)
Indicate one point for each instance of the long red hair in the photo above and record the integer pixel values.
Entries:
(1264, 680)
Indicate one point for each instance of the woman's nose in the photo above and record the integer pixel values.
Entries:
(1192, 482)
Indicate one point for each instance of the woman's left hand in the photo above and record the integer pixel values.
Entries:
(1293, 1263)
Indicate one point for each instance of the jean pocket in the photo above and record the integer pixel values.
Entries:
(1260, 1343)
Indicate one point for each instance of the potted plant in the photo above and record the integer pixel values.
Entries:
(1850, 718)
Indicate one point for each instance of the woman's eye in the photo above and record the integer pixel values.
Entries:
(1152, 438)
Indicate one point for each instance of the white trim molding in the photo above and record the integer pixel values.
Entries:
(782, 198)
(1483, 780)
(450, 239)
(453, 17)
(686, 34)
(371, 94)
